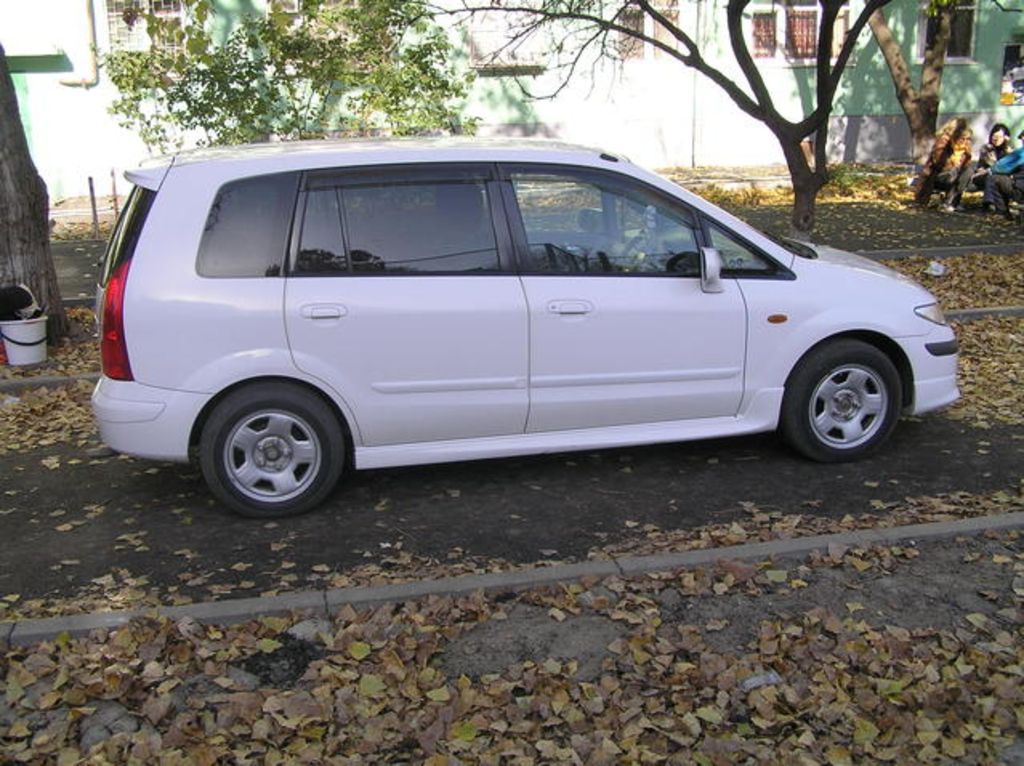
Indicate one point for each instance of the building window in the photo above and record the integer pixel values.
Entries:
(764, 34)
(663, 35)
(629, 46)
(639, 23)
(801, 33)
(961, 33)
(798, 27)
(126, 21)
(498, 46)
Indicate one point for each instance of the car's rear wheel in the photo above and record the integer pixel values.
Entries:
(842, 401)
(271, 449)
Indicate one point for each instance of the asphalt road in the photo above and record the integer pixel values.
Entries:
(63, 526)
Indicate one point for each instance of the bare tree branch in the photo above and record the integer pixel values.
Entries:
(750, 94)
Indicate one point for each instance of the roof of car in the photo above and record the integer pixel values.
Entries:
(363, 151)
(360, 145)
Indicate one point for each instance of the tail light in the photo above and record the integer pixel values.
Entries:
(113, 348)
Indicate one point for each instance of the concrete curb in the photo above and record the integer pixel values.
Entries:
(967, 315)
(13, 385)
(324, 602)
(942, 252)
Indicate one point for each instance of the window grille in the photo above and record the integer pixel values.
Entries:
(764, 34)
(631, 47)
(126, 21)
(496, 49)
(797, 28)
(801, 33)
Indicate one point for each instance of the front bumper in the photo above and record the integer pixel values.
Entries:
(934, 363)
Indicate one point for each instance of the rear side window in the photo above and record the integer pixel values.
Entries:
(401, 227)
(420, 227)
(321, 249)
(126, 232)
(247, 228)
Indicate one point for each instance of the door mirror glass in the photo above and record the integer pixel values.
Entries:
(710, 270)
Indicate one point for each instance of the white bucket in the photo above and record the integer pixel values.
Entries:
(25, 340)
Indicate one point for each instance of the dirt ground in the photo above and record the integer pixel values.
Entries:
(927, 592)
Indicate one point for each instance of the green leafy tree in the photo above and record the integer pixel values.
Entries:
(352, 68)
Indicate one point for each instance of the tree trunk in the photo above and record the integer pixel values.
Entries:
(922, 120)
(920, 105)
(24, 213)
(807, 182)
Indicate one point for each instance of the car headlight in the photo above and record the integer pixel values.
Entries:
(932, 312)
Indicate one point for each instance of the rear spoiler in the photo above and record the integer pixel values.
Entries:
(148, 177)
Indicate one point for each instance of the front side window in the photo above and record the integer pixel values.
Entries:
(584, 224)
(247, 228)
(737, 257)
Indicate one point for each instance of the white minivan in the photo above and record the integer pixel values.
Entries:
(286, 312)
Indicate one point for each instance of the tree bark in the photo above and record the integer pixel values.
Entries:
(807, 182)
(24, 213)
(920, 104)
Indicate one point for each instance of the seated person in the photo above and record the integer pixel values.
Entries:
(950, 158)
(978, 174)
(1007, 180)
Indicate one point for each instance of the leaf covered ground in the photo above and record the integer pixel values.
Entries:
(968, 281)
(856, 656)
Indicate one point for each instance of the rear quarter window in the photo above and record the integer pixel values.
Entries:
(248, 226)
(121, 246)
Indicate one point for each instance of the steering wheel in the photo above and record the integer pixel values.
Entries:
(673, 263)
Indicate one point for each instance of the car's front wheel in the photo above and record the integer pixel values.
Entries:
(271, 449)
(842, 401)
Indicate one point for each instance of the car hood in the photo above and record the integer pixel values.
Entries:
(839, 257)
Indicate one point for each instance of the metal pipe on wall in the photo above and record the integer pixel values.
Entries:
(93, 76)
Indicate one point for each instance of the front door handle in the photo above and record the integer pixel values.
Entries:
(323, 311)
(570, 307)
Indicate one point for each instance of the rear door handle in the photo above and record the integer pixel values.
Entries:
(570, 307)
(323, 311)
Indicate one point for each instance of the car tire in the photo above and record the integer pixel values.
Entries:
(272, 449)
(842, 401)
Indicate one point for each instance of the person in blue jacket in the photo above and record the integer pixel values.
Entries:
(1008, 180)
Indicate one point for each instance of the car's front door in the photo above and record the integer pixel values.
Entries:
(400, 298)
(620, 330)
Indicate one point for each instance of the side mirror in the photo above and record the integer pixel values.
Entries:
(711, 270)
